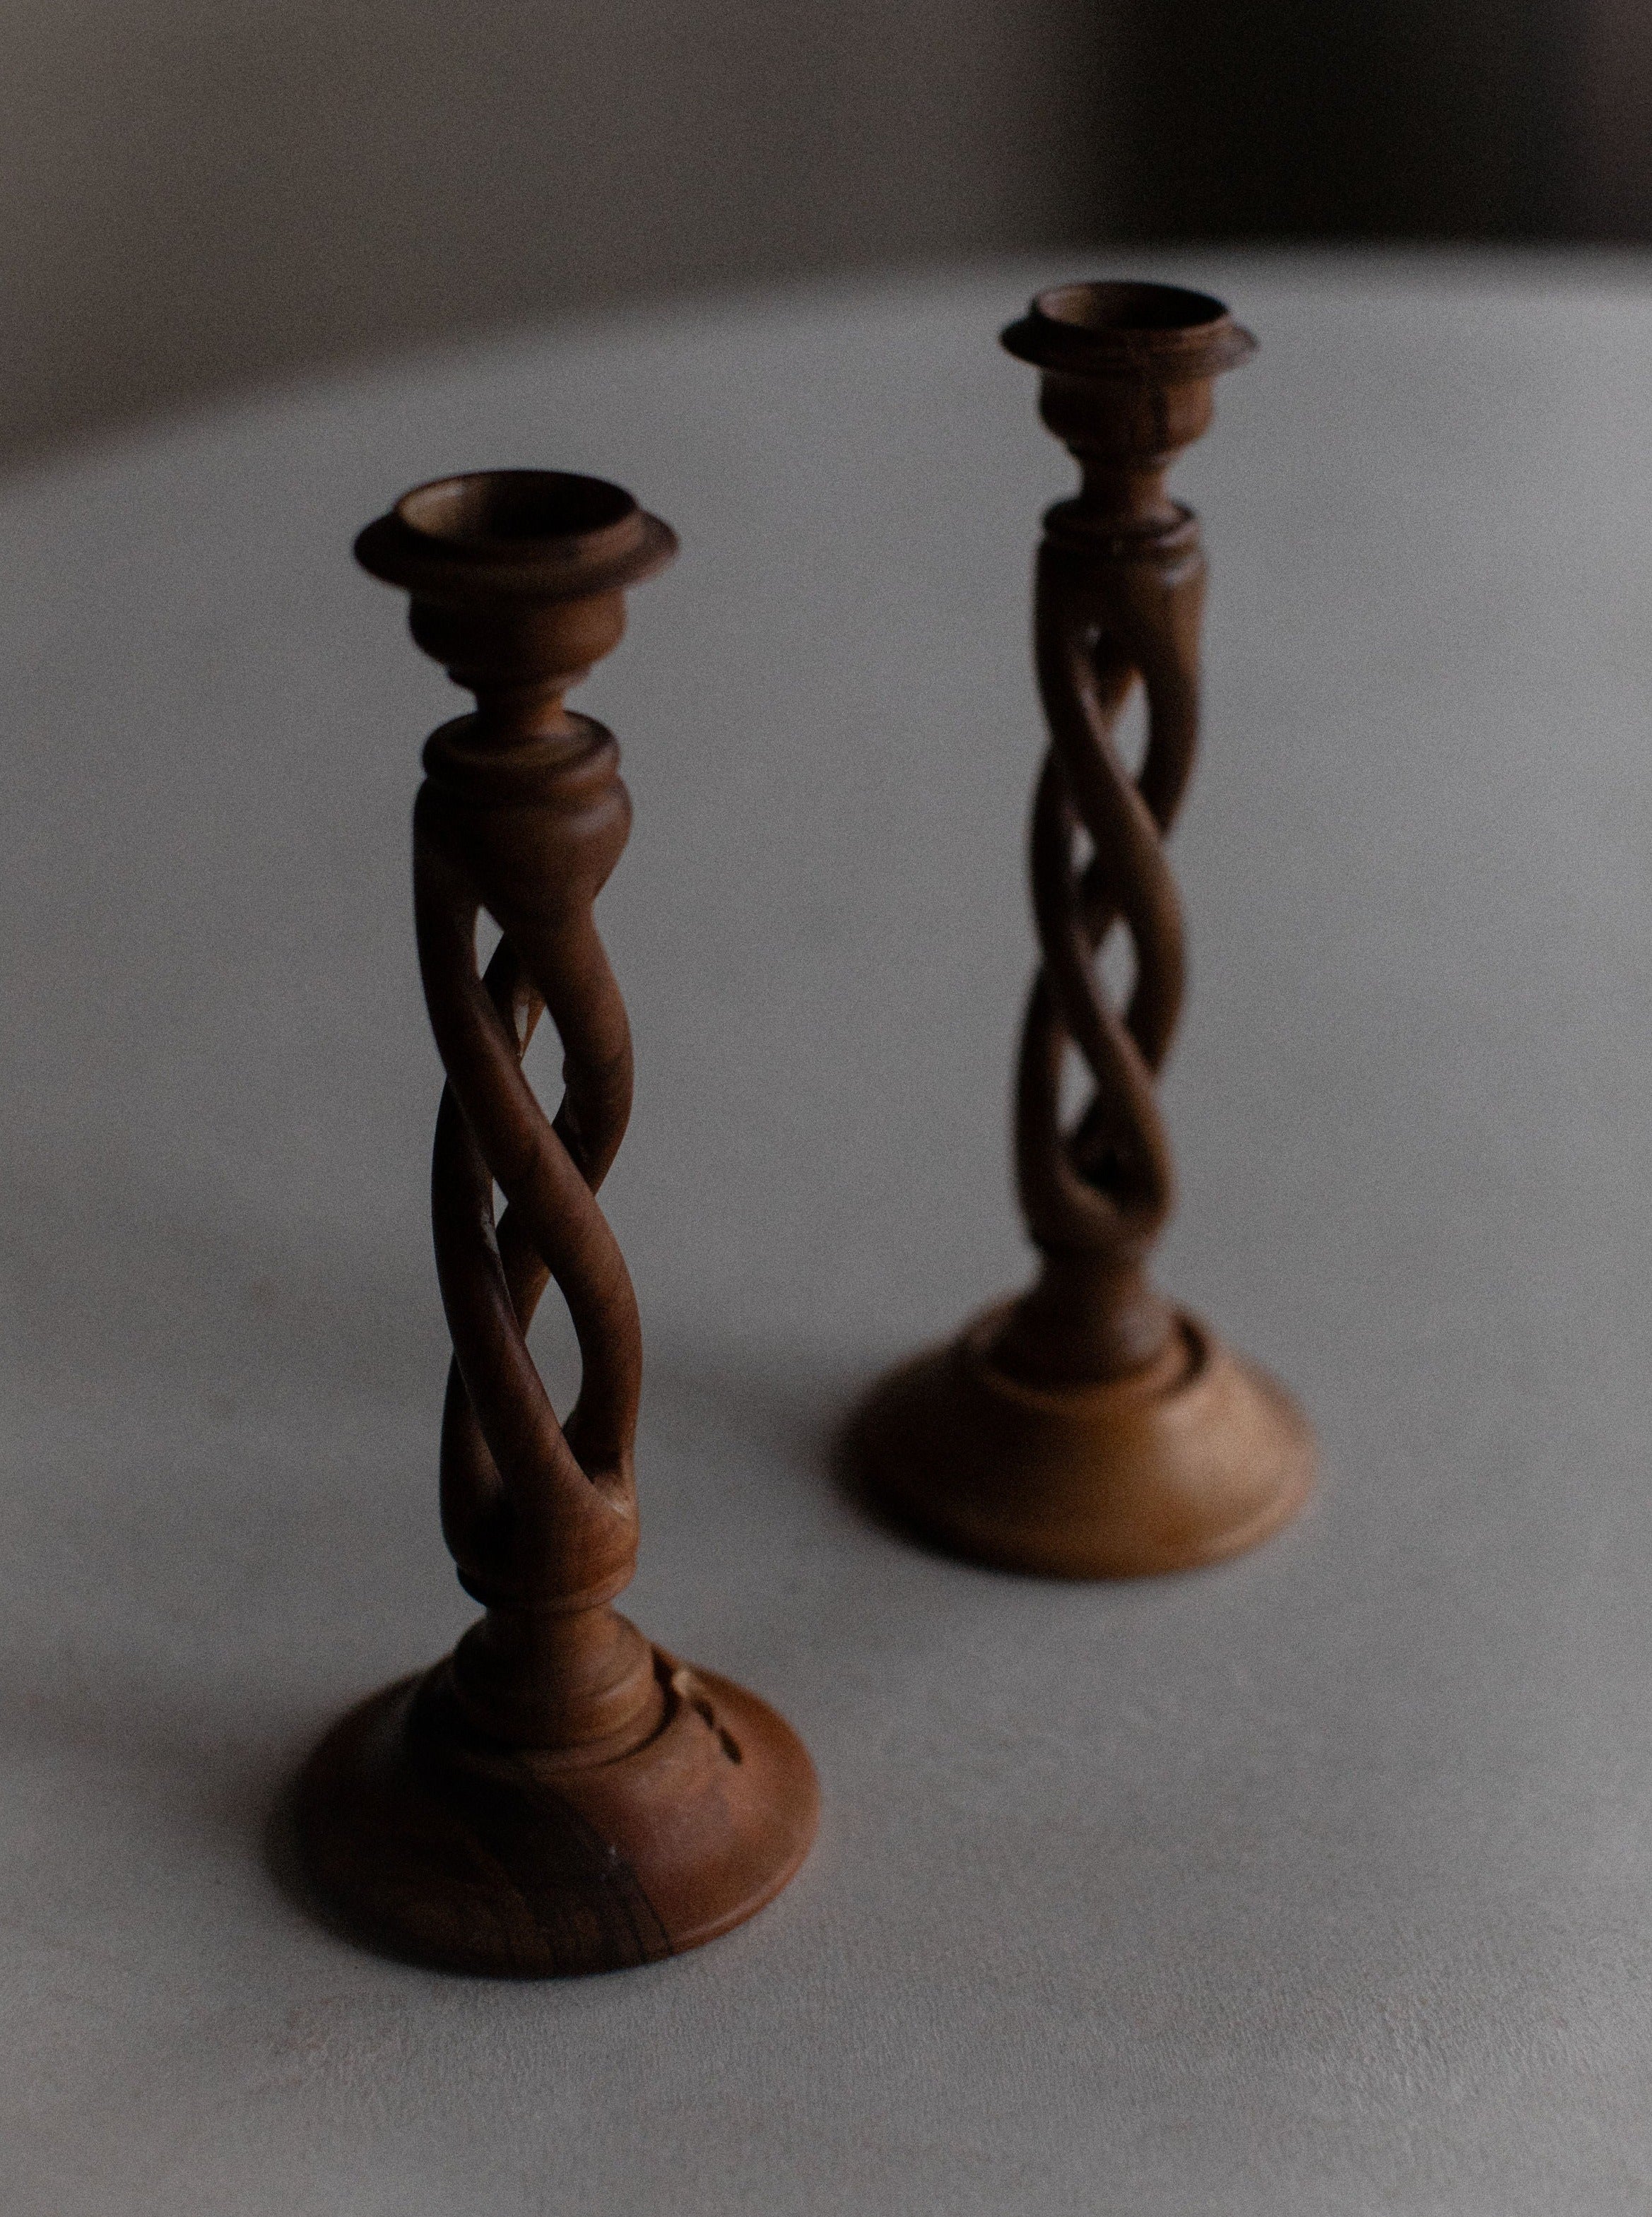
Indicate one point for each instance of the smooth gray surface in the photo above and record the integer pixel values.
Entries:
(1320, 1882)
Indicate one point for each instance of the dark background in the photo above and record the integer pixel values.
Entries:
(199, 196)
(1371, 119)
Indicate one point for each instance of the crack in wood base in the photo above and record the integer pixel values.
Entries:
(473, 1856)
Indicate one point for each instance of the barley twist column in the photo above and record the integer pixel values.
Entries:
(1089, 1429)
(559, 1795)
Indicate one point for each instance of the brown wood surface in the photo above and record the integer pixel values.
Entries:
(1090, 1427)
(558, 1795)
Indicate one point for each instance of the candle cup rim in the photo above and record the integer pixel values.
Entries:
(541, 534)
(507, 512)
(1128, 329)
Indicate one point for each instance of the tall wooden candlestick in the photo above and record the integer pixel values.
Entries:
(558, 1795)
(1090, 1429)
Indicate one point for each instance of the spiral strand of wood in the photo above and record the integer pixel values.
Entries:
(1104, 1185)
(513, 1478)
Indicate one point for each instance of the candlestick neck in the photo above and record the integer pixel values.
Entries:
(520, 659)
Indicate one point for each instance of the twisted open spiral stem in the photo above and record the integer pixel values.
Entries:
(532, 1508)
(1107, 614)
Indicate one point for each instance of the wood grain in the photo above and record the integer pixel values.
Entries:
(559, 1795)
(1090, 1427)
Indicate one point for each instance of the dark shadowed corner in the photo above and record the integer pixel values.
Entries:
(208, 198)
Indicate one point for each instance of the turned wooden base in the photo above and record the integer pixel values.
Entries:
(1195, 1458)
(478, 1857)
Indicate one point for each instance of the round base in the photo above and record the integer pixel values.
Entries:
(477, 1857)
(1195, 1459)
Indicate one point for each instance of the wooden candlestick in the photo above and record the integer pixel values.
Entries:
(1088, 1429)
(557, 1796)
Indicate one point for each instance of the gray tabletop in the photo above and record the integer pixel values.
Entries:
(1320, 1882)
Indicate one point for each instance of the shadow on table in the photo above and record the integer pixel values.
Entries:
(794, 1412)
(804, 1414)
(121, 1276)
(150, 1786)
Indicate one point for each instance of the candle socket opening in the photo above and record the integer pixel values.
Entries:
(1121, 305)
(513, 509)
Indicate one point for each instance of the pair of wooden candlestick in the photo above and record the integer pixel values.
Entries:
(558, 1795)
